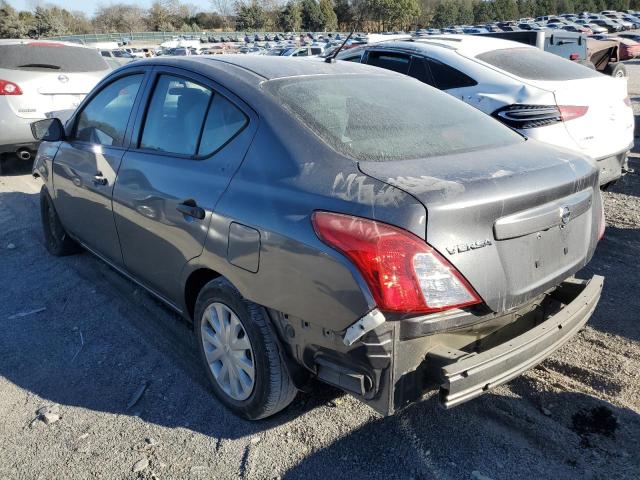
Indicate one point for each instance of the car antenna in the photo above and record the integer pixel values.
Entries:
(332, 58)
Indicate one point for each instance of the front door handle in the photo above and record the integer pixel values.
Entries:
(191, 209)
(98, 179)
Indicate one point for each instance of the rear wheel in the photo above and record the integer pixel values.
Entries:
(616, 70)
(57, 241)
(241, 353)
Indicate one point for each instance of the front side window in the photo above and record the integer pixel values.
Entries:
(175, 116)
(104, 120)
(391, 61)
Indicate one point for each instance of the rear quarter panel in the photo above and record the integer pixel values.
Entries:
(287, 175)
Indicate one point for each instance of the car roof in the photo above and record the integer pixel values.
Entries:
(264, 67)
(25, 41)
(467, 45)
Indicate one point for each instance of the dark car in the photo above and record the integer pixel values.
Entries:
(311, 221)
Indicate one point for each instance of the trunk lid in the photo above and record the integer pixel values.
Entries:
(607, 127)
(51, 75)
(496, 215)
(45, 92)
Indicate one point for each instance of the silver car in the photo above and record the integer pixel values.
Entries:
(328, 220)
(37, 77)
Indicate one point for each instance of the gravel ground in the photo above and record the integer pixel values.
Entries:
(114, 374)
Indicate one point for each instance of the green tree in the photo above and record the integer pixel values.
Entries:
(328, 15)
(445, 14)
(251, 16)
(465, 13)
(49, 22)
(526, 8)
(290, 17)
(11, 26)
(312, 18)
(506, 9)
(345, 13)
(483, 12)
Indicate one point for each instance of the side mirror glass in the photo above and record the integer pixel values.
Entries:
(48, 130)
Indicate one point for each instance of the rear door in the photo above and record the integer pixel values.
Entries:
(86, 164)
(52, 76)
(190, 140)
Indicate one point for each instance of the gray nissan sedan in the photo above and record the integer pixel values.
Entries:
(327, 220)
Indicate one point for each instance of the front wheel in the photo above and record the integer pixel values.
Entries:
(241, 353)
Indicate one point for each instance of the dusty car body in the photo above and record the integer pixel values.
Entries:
(379, 253)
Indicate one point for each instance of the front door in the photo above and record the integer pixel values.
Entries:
(86, 166)
(191, 142)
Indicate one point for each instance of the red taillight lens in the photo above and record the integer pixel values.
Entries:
(9, 88)
(403, 272)
(569, 112)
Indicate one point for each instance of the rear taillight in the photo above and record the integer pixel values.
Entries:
(533, 116)
(9, 88)
(402, 271)
(603, 223)
(569, 112)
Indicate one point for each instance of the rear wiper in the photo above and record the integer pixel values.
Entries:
(40, 65)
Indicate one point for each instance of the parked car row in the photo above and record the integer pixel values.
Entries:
(340, 219)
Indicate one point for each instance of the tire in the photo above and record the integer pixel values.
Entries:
(616, 69)
(272, 389)
(56, 240)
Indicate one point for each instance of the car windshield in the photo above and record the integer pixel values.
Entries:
(535, 64)
(386, 118)
(50, 56)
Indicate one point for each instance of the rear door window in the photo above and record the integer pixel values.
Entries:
(104, 120)
(535, 64)
(419, 70)
(396, 62)
(175, 116)
(224, 121)
(50, 56)
(446, 77)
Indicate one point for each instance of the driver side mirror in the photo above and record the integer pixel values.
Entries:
(48, 130)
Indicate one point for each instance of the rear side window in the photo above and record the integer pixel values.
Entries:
(50, 56)
(446, 77)
(104, 120)
(390, 61)
(535, 64)
(420, 71)
(175, 116)
(224, 121)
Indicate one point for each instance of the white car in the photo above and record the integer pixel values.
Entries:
(541, 95)
(37, 77)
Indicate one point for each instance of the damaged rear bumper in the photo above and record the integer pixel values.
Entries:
(470, 375)
(400, 362)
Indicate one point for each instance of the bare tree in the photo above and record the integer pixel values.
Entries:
(224, 8)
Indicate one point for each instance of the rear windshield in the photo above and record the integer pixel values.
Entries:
(50, 57)
(383, 118)
(536, 64)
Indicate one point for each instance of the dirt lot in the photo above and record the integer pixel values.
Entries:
(81, 341)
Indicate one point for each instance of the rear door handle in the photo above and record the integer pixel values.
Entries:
(98, 179)
(191, 209)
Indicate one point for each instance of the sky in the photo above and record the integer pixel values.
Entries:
(89, 6)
